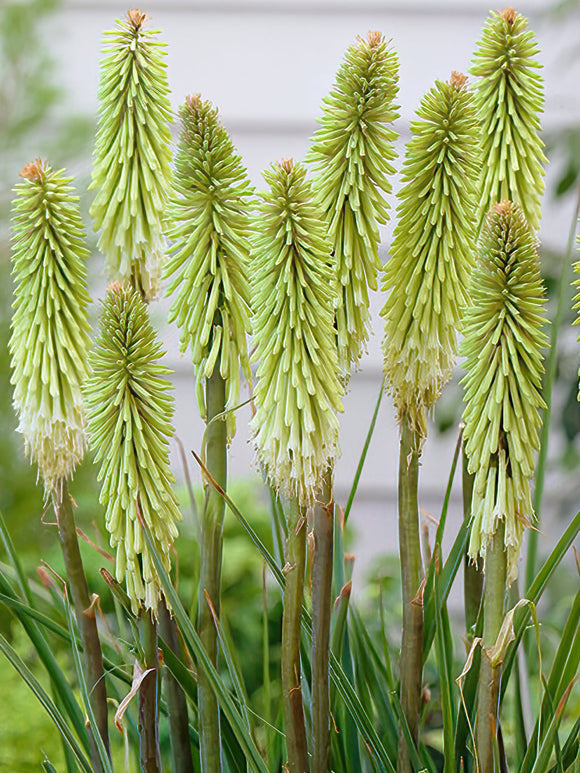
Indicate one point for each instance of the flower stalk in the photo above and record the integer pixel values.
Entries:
(322, 562)
(427, 276)
(49, 347)
(502, 422)
(352, 153)
(490, 669)
(296, 398)
(211, 561)
(132, 155)
(149, 751)
(295, 567)
(207, 273)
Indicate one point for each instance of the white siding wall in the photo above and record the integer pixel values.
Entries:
(266, 64)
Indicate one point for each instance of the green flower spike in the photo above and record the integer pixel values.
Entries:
(431, 252)
(352, 153)
(209, 265)
(50, 330)
(298, 390)
(510, 97)
(130, 415)
(503, 345)
(132, 155)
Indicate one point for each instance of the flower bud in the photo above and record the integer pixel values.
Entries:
(432, 249)
(510, 98)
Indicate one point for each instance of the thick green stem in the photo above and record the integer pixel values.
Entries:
(293, 594)
(412, 578)
(149, 753)
(472, 575)
(84, 612)
(489, 673)
(211, 561)
(321, 613)
(176, 701)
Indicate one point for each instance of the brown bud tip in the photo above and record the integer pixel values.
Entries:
(458, 79)
(44, 577)
(509, 14)
(115, 288)
(349, 558)
(34, 171)
(286, 165)
(374, 38)
(136, 18)
(108, 577)
(193, 101)
(345, 592)
(503, 207)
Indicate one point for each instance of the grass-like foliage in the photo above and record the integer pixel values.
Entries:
(130, 415)
(132, 154)
(207, 272)
(298, 392)
(432, 248)
(503, 344)
(50, 328)
(510, 99)
(352, 154)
